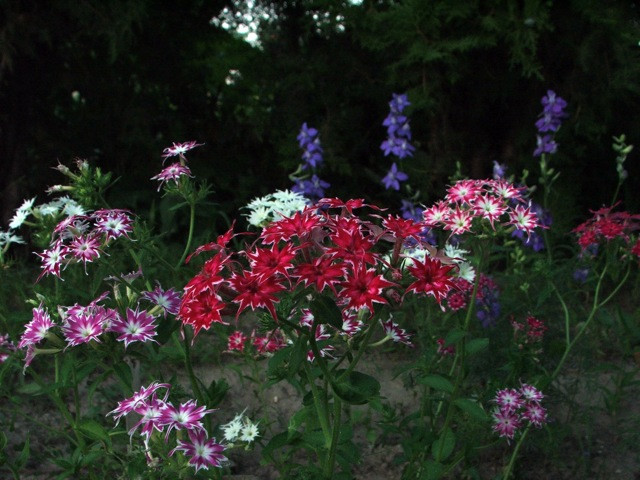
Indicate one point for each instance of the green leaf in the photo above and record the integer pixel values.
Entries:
(472, 408)
(453, 337)
(297, 419)
(437, 382)
(298, 355)
(325, 310)
(216, 392)
(431, 470)
(21, 461)
(477, 344)
(94, 431)
(123, 372)
(357, 388)
(444, 445)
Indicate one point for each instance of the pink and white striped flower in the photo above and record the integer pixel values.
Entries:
(436, 214)
(506, 423)
(129, 405)
(168, 299)
(52, 259)
(85, 248)
(36, 330)
(458, 221)
(179, 149)
(151, 413)
(138, 326)
(489, 207)
(535, 413)
(236, 341)
(397, 334)
(185, 417)
(523, 219)
(531, 393)
(113, 223)
(464, 191)
(509, 399)
(204, 452)
(172, 172)
(82, 328)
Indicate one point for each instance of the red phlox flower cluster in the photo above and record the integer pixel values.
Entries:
(605, 226)
(530, 331)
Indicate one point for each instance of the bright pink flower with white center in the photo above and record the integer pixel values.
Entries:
(204, 452)
(505, 190)
(523, 219)
(71, 227)
(489, 207)
(506, 423)
(436, 214)
(396, 333)
(128, 405)
(85, 248)
(236, 341)
(531, 393)
(364, 287)
(185, 417)
(52, 259)
(36, 330)
(536, 414)
(82, 328)
(151, 412)
(509, 400)
(464, 191)
(172, 172)
(113, 223)
(136, 327)
(320, 335)
(169, 299)
(179, 149)
(458, 221)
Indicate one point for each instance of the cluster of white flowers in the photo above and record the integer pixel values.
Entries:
(240, 429)
(60, 206)
(465, 270)
(273, 207)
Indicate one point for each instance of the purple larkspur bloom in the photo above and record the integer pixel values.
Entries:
(499, 170)
(545, 144)
(313, 188)
(398, 129)
(394, 177)
(581, 274)
(310, 142)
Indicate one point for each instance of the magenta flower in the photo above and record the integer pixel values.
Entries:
(509, 400)
(204, 452)
(185, 417)
(52, 259)
(179, 149)
(82, 328)
(85, 248)
(151, 412)
(397, 334)
(172, 172)
(136, 327)
(36, 330)
(169, 299)
(536, 414)
(236, 341)
(531, 393)
(128, 405)
(113, 223)
(505, 423)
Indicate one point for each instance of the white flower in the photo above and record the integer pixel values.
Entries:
(18, 219)
(458, 255)
(73, 208)
(466, 272)
(273, 207)
(249, 432)
(259, 217)
(232, 430)
(46, 209)
(9, 237)
(26, 205)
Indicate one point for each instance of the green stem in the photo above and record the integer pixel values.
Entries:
(360, 352)
(512, 461)
(192, 221)
(321, 408)
(337, 413)
(187, 363)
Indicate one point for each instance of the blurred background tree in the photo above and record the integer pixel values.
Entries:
(116, 81)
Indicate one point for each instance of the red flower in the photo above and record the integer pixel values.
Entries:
(363, 287)
(431, 278)
(200, 310)
(270, 262)
(300, 225)
(351, 245)
(402, 228)
(322, 272)
(255, 291)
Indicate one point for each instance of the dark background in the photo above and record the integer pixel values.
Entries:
(151, 73)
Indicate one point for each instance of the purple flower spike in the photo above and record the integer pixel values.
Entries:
(394, 177)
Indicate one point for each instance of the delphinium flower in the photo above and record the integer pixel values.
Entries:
(549, 120)
(311, 187)
(398, 130)
(499, 170)
(394, 177)
(515, 406)
(487, 304)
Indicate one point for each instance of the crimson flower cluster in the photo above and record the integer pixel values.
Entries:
(325, 249)
(515, 406)
(82, 238)
(495, 201)
(530, 331)
(159, 414)
(605, 226)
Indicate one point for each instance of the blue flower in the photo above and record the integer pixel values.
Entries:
(394, 177)
(398, 129)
